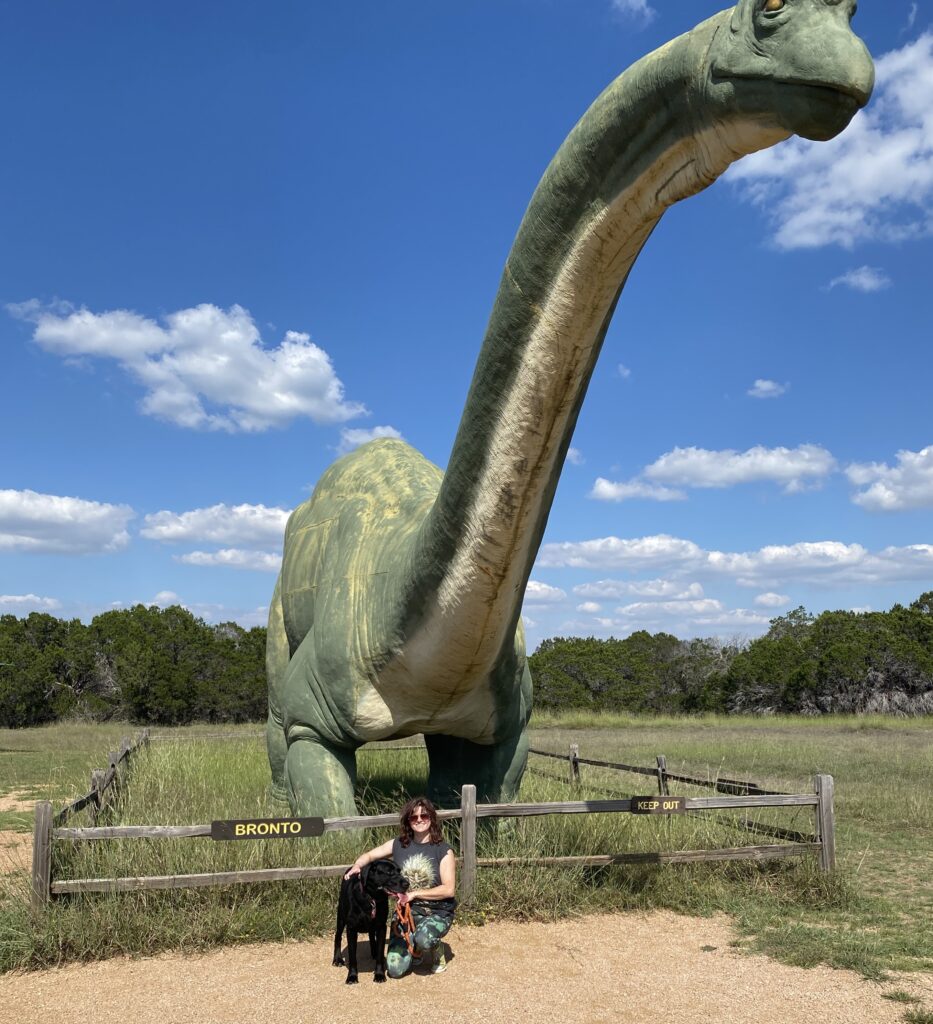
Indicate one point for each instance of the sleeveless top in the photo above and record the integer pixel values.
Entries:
(420, 863)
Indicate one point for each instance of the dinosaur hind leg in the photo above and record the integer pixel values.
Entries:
(496, 769)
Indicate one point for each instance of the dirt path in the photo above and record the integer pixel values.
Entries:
(597, 970)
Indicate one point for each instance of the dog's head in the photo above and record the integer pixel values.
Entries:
(383, 876)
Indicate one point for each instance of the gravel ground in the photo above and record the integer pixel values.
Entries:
(595, 970)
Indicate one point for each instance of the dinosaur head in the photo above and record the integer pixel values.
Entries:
(796, 63)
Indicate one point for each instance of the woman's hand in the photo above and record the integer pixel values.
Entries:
(353, 870)
(404, 898)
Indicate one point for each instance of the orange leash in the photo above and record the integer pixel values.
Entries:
(403, 926)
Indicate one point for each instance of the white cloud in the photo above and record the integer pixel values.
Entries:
(772, 600)
(907, 485)
(640, 9)
(911, 17)
(49, 523)
(23, 604)
(767, 389)
(233, 558)
(219, 524)
(698, 467)
(206, 368)
(543, 593)
(733, 618)
(862, 279)
(354, 437)
(659, 551)
(590, 607)
(683, 618)
(873, 182)
(829, 563)
(211, 612)
(705, 606)
(608, 490)
(659, 589)
(623, 371)
(575, 457)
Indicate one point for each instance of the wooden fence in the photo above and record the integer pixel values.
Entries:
(825, 817)
(469, 812)
(106, 787)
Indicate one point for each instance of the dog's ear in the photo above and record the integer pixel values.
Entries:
(364, 875)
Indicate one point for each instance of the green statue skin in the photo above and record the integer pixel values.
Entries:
(397, 608)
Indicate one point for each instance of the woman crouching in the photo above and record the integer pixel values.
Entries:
(429, 864)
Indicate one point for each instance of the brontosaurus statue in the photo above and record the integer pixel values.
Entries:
(397, 608)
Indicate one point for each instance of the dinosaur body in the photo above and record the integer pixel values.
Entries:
(397, 608)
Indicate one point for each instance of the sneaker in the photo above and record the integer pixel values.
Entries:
(416, 960)
(440, 961)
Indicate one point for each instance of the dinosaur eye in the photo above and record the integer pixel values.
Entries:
(773, 5)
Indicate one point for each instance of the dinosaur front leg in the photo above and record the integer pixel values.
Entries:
(320, 777)
(495, 769)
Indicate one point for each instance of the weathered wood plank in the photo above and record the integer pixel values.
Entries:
(695, 803)
(678, 857)
(76, 805)
(826, 821)
(564, 807)
(195, 831)
(42, 855)
(196, 881)
(468, 841)
(574, 764)
(598, 764)
(134, 832)
(662, 775)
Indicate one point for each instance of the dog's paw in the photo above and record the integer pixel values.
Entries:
(338, 961)
(352, 979)
(379, 977)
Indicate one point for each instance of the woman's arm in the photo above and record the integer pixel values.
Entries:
(376, 853)
(444, 891)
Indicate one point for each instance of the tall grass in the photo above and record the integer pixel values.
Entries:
(860, 917)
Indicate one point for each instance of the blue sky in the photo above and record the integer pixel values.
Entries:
(237, 239)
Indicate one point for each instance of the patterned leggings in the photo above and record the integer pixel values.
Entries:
(430, 928)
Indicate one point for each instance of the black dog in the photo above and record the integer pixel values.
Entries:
(363, 906)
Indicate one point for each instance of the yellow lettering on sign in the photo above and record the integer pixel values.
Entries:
(251, 829)
(295, 826)
(239, 830)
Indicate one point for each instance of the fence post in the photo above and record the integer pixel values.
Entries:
(97, 778)
(42, 856)
(662, 775)
(468, 840)
(574, 764)
(826, 821)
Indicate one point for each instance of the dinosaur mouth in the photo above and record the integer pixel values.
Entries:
(842, 92)
(814, 110)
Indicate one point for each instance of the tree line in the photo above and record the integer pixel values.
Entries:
(166, 666)
(839, 661)
(148, 665)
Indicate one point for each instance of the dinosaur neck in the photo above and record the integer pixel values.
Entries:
(642, 146)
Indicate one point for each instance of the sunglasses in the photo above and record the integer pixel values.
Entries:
(419, 817)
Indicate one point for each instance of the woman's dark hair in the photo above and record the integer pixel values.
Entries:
(406, 833)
